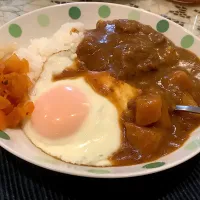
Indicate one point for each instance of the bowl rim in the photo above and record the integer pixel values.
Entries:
(85, 173)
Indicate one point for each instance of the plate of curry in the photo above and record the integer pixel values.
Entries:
(149, 53)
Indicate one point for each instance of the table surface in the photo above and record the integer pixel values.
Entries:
(21, 180)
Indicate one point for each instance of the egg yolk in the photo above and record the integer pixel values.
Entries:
(60, 112)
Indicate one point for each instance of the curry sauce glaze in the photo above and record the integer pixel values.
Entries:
(165, 74)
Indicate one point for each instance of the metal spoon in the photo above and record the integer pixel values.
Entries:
(193, 109)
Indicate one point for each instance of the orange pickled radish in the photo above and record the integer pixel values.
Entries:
(25, 66)
(3, 124)
(18, 86)
(12, 64)
(28, 108)
(14, 86)
(8, 109)
(4, 103)
(14, 117)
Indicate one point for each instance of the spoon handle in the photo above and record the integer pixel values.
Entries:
(193, 109)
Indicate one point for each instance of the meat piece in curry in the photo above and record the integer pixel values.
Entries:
(163, 75)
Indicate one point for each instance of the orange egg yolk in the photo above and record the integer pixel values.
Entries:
(60, 112)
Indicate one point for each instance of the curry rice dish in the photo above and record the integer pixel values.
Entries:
(163, 74)
(119, 84)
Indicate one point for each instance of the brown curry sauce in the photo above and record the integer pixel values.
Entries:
(167, 75)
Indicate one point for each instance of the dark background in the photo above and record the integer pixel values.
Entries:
(21, 180)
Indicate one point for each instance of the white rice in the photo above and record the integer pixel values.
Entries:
(41, 48)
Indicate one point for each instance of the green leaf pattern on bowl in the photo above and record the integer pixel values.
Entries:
(99, 171)
(154, 165)
(193, 145)
(4, 136)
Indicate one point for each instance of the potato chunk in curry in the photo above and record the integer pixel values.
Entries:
(148, 109)
(146, 140)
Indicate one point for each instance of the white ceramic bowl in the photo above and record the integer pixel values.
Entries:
(45, 22)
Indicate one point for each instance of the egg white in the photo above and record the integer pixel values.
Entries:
(99, 136)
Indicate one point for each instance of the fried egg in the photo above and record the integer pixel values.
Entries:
(71, 121)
